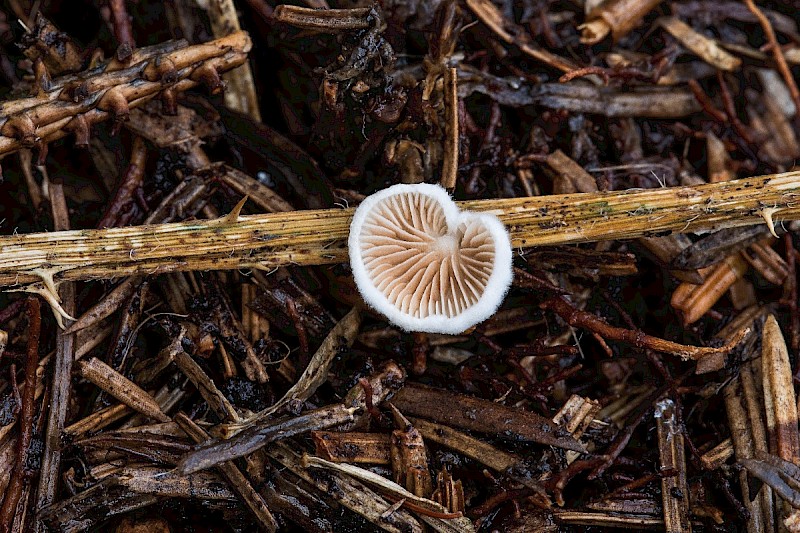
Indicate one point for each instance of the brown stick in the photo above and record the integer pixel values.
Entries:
(451, 152)
(122, 28)
(777, 51)
(118, 212)
(235, 477)
(706, 103)
(62, 369)
(19, 477)
(583, 319)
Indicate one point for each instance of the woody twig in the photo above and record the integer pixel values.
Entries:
(74, 102)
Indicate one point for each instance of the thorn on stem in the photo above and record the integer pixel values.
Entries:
(115, 103)
(162, 69)
(81, 92)
(79, 125)
(42, 157)
(21, 128)
(50, 297)
(124, 52)
(169, 104)
(766, 214)
(43, 82)
(233, 216)
(208, 76)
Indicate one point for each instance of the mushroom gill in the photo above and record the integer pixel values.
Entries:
(426, 265)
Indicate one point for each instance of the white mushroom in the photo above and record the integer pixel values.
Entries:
(424, 264)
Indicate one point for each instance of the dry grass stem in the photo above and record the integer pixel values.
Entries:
(317, 237)
(608, 520)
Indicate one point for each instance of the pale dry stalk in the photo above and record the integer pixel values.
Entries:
(319, 237)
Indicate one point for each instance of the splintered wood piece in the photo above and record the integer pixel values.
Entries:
(476, 414)
(694, 301)
(575, 416)
(120, 388)
(99, 419)
(108, 305)
(570, 176)
(237, 480)
(703, 46)
(245, 185)
(471, 447)
(779, 396)
(615, 17)
(409, 457)
(62, 370)
(353, 447)
(742, 436)
(215, 399)
(766, 261)
(138, 445)
(349, 492)
(718, 455)
(428, 510)
(674, 490)
(449, 492)
(132, 488)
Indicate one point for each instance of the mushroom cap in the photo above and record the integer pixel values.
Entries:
(426, 265)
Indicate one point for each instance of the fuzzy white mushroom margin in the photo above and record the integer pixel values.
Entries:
(496, 287)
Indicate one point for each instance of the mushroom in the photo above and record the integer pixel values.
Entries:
(426, 265)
